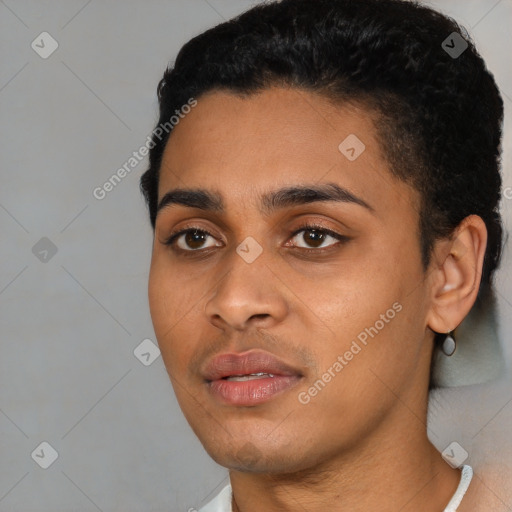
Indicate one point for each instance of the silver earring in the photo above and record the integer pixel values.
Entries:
(449, 344)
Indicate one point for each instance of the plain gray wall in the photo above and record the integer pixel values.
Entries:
(69, 324)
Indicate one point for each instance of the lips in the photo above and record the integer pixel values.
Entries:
(227, 365)
(250, 378)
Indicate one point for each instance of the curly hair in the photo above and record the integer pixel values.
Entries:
(439, 118)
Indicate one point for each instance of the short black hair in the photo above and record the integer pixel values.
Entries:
(439, 115)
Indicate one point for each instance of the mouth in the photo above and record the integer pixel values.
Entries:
(249, 379)
(251, 376)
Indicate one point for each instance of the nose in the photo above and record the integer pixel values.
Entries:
(249, 295)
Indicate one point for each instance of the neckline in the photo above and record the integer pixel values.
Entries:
(465, 480)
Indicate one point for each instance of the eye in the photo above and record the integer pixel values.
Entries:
(190, 240)
(314, 236)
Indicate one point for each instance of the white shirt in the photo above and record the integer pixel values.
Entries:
(222, 502)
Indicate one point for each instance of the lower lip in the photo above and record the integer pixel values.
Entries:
(251, 392)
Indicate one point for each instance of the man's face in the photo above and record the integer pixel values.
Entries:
(287, 345)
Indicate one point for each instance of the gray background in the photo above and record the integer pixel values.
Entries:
(69, 325)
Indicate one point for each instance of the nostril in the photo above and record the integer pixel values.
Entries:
(260, 315)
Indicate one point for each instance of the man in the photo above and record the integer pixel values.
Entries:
(325, 214)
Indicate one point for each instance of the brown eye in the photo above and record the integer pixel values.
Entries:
(314, 238)
(195, 239)
(308, 237)
(190, 240)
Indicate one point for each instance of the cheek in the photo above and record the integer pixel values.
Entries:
(171, 303)
(172, 294)
(380, 345)
(352, 294)
(366, 311)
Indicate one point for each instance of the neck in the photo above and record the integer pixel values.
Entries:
(396, 469)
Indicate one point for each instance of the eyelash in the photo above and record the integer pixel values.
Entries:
(171, 240)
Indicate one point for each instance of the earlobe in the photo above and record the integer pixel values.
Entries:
(455, 280)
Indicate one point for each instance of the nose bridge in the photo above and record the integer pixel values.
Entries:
(247, 289)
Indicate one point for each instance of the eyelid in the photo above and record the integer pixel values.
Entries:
(170, 239)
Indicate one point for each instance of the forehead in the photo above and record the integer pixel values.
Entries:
(243, 147)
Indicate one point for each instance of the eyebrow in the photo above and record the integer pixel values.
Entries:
(270, 202)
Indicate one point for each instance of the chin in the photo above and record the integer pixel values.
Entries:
(250, 454)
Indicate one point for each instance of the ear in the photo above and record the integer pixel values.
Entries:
(455, 274)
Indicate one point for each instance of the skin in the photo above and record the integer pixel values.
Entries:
(361, 443)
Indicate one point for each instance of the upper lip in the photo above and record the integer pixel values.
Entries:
(229, 364)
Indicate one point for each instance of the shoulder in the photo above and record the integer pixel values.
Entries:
(489, 490)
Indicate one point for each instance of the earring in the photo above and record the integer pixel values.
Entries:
(449, 344)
